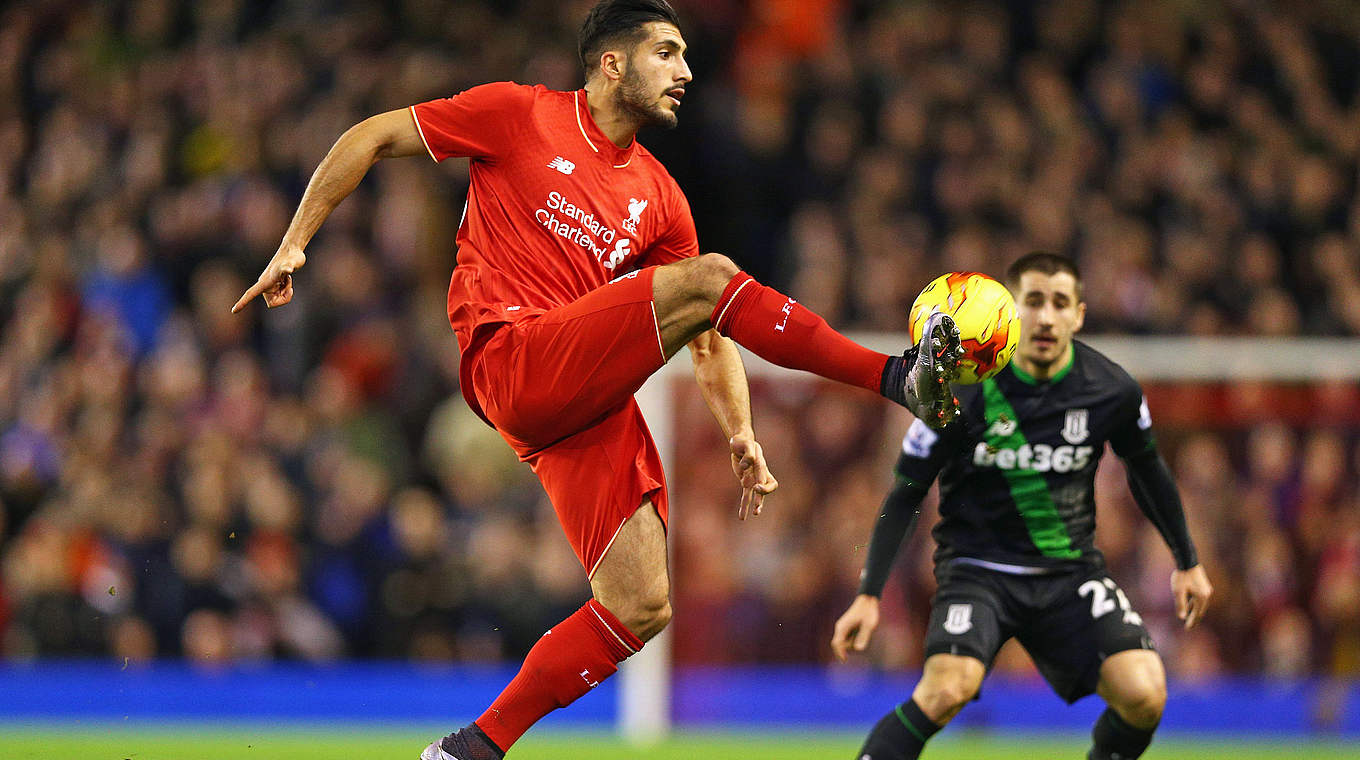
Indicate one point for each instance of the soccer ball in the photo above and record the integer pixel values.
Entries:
(983, 309)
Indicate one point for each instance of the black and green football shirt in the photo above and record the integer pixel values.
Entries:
(1017, 469)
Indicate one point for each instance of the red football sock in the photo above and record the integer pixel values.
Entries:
(783, 331)
(572, 658)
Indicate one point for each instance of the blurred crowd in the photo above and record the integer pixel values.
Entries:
(308, 483)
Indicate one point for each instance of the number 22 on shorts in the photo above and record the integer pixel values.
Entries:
(1102, 604)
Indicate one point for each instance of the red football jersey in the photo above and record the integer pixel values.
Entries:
(554, 208)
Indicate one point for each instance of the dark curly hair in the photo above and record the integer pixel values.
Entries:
(613, 21)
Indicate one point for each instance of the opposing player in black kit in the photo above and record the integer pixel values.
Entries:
(1015, 556)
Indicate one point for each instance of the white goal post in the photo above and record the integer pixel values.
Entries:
(644, 706)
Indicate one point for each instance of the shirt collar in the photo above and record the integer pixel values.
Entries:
(1029, 379)
(595, 137)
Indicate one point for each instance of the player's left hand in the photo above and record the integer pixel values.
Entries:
(748, 462)
(1191, 589)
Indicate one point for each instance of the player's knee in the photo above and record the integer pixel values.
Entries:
(955, 695)
(1141, 700)
(645, 614)
(707, 275)
(661, 618)
(1143, 705)
(649, 617)
(947, 685)
(944, 698)
(718, 266)
(1136, 687)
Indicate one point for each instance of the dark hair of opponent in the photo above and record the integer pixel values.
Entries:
(1044, 263)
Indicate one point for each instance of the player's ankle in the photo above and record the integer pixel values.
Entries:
(899, 735)
(893, 386)
(1112, 737)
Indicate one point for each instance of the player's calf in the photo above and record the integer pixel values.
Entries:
(1133, 684)
(569, 660)
(782, 331)
(899, 735)
(947, 684)
(1113, 738)
(632, 580)
(1125, 730)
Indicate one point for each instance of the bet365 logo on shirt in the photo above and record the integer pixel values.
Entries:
(1039, 457)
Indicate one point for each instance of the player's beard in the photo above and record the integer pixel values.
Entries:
(635, 99)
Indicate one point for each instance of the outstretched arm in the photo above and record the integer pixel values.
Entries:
(722, 381)
(386, 135)
(897, 518)
(1156, 494)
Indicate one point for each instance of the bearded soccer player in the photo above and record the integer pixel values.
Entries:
(578, 276)
(1015, 556)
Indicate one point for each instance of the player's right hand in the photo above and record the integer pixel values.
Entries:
(1191, 589)
(276, 282)
(748, 463)
(855, 627)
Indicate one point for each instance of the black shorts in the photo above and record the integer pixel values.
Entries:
(1069, 622)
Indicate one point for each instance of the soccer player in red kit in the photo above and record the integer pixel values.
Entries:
(578, 276)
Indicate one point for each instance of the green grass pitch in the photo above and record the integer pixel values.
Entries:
(103, 742)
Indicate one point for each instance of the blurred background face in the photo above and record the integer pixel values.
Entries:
(1050, 313)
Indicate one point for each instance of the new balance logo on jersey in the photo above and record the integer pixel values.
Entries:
(562, 165)
(635, 209)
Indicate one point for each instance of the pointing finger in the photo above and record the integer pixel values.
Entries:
(255, 290)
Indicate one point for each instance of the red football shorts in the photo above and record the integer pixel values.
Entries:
(559, 387)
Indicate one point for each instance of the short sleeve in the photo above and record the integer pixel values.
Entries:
(476, 123)
(680, 240)
(1132, 433)
(925, 452)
